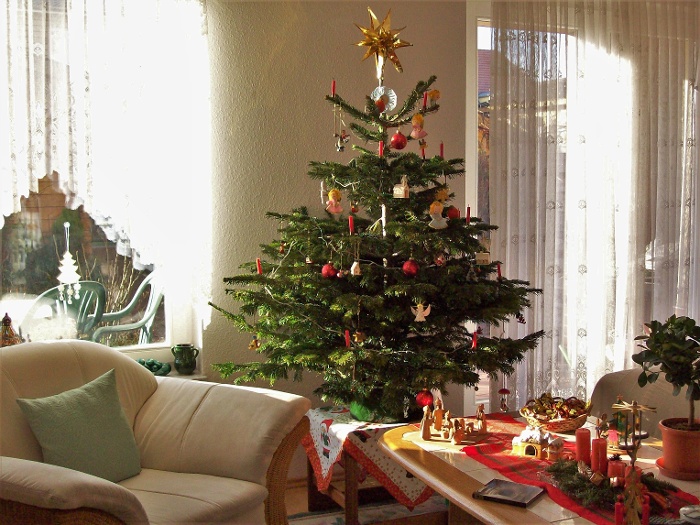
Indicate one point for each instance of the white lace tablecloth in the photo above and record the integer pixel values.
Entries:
(334, 431)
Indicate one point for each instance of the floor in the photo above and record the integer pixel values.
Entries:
(296, 497)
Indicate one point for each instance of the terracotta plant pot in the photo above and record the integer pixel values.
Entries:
(681, 458)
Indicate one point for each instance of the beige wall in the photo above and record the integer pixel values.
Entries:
(273, 63)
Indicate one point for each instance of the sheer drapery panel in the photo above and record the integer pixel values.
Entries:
(112, 98)
(592, 176)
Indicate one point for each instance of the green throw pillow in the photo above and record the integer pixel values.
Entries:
(85, 429)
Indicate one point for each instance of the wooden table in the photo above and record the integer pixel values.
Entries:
(450, 472)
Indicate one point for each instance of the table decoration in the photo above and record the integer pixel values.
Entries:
(556, 414)
(564, 482)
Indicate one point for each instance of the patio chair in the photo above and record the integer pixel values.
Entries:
(56, 315)
(151, 285)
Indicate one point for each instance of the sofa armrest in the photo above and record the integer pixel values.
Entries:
(216, 429)
(275, 506)
(33, 489)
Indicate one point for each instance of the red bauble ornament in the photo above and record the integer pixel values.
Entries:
(399, 141)
(328, 271)
(410, 268)
(424, 398)
(381, 105)
(453, 213)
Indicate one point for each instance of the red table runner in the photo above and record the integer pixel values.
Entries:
(496, 453)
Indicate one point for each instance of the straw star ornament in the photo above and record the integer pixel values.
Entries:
(382, 42)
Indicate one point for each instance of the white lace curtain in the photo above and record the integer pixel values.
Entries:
(593, 177)
(112, 98)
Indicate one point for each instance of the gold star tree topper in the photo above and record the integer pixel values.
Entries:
(382, 42)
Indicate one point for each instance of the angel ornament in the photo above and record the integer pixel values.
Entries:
(438, 222)
(421, 312)
(333, 203)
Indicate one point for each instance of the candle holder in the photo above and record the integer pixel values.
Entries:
(631, 438)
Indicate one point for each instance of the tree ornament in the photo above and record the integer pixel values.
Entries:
(453, 212)
(398, 140)
(402, 191)
(359, 337)
(254, 343)
(442, 194)
(328, 271)
(410, 268)
(417, 124)
(354, 207)
(355, 268)
(333, 203)
(424, 398)
(382, 42)
(440, 260)
(421, 312)
(433, 97)
(384, 98)
(438, 222)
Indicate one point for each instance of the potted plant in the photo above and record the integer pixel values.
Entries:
(673, 349)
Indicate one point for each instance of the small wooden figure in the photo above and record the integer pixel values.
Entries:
(438, 414)
(457, 433)
(426, 424)
(480, 425)
(447, 425)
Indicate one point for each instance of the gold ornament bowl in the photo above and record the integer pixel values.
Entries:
(556, 414)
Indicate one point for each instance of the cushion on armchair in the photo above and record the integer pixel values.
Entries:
(85, 429)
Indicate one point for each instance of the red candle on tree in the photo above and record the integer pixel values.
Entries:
(469, 214)
(583, 445)
(498, 269)
(258, 263)
(442, 150)
(381, 148)
(474, 340)
(347, 338)
(351, 224)
(333, 88)
(425, 100)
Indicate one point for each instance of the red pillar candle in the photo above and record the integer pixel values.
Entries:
(469, 214)
(619, 513)
(442, 150)
(583, 445)
(258, 263)
(474, 339)
(333, 88)
(646, 510)
(616, 469)
(425, 100)
(599, 455)
(351, 224)
(347, 338)
(381, 148)
(498, 269)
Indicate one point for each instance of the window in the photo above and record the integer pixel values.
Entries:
(32, 244)
(112, 101)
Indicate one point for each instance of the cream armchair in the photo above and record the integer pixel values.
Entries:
(209, 453)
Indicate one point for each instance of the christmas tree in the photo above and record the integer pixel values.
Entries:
(388, 294)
